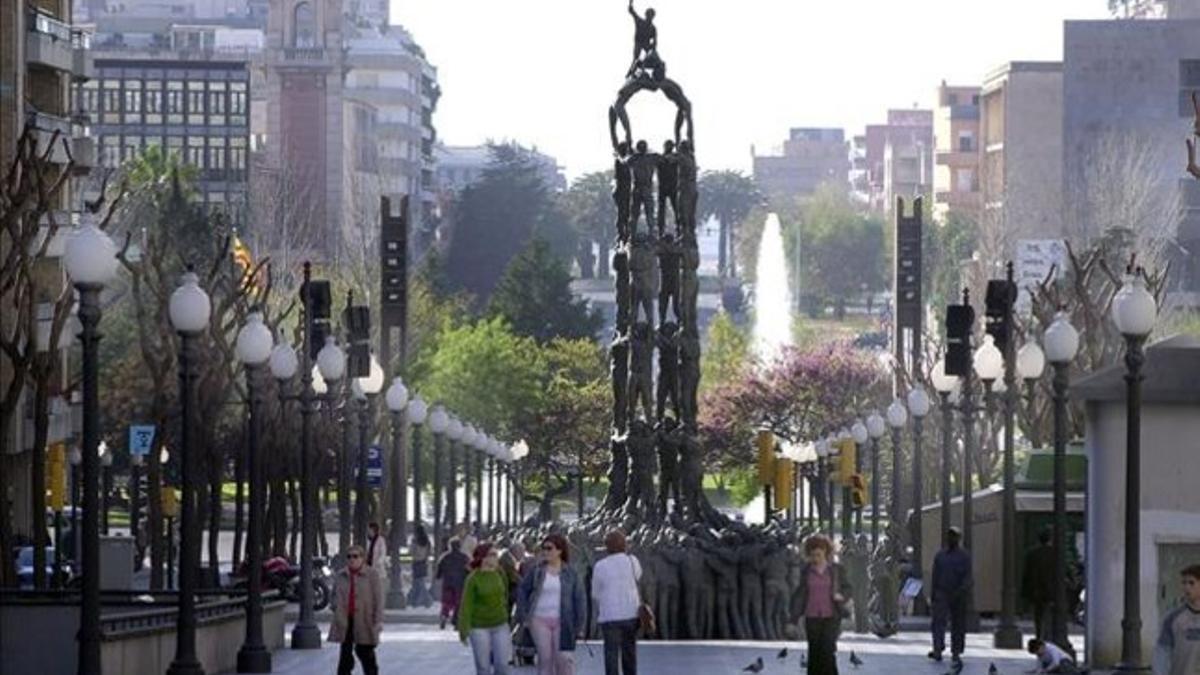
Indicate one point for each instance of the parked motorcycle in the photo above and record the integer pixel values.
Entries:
(280, 574)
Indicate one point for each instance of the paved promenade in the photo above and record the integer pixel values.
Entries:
(428, 651)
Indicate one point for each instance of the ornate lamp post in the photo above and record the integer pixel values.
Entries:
(439, 420)
(91, 262)
(331, 368)
(875, 429)
(897, 418)
(365, 389)
(454, 434)
(417, 413)
(833, 455)
(254, 350)
(1062, 343)
(189, 310)
(918, 406)
(470, 445)
(945, 385)
(75, 458)
(1031, 361)
(396, 399)
(822, 448)
(860, 435)
(492, 502)
(1134, 312)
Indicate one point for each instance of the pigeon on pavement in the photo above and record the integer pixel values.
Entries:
(782, 654)
(803, 660)
(854, 660)
(756, 667)
(992, 670)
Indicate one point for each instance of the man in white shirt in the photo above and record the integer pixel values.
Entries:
(1051, 658)
(615, 594)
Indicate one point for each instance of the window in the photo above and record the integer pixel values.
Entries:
(175, 145)
(132, 146)
(237, 98)
(133, 106)
(175, 102)
(304, 26)
(237, 154)
(195, 151)
(216, 154)
(89, 98)
(195, 102)
(964, 180)
(110, 152)
(966, 141)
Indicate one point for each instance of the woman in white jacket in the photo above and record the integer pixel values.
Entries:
(615, 592)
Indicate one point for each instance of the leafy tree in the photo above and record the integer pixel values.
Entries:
(728, 196)
(534, 296)
(590, 207)
(944, 247)
(726, 354)
(496, 216)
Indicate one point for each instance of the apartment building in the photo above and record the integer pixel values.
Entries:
(809, 158)
(956, 153)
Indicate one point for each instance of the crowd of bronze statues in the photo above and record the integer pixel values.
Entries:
(705, 576)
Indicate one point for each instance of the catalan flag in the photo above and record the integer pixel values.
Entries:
(243, 259)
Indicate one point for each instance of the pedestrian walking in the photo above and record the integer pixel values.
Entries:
(1050, 657)
(357, 613)
(376, 548)
(615, 592)
(1177, 651)
(551, 602)
(952, 584)
(452, 572)
(1037, 584)
(820, 600)
(483, 615)
(419, 547)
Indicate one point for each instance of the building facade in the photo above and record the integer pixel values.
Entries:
(956, 153)
(1127, 88)
(809, 158)
(1021, 164)
(898, 158)
(461, 165)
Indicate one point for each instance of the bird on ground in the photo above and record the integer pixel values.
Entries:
(803, 660)
(782, 654)
(756, 667)
(992, 670)
(854, 660)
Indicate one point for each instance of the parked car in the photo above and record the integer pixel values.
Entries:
(25, 567)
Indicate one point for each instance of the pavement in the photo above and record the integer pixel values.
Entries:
(429, 651)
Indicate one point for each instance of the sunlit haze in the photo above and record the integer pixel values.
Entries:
(543, 72)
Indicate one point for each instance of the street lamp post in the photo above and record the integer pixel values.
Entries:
(454, 434)
(364, 389)
(75, 458)
(1062, 343)
(945, 385)
(254, 347)
(897, 418)
(875, 429)
(417, 412)
(1134, 312)
(822, 453)
(918, 406)
(135, 505)
(189, 310)
(860, 434)
(397, 399)
(91, 262)
(439, 420)
(331, 367)
(468, 446)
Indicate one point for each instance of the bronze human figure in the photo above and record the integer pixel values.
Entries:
(689, 373)
(642, 263)
(642, 164)
(619, 370)
(622, 189)
(645, 38)
(668, 370)
(641, 371)
(670, 445)
(686, 159)
(668, 186)
(669, 257)
(624, 290)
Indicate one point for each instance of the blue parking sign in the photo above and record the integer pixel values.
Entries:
(374, 466)
(141, 439)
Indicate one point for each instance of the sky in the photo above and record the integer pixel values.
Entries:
(544, 72)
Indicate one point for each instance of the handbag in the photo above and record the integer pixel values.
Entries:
(646, 620)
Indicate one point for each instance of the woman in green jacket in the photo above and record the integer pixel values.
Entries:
(483, 615)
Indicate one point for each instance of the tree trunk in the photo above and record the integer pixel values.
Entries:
(731, 241)
(41, 423)
(722, 247)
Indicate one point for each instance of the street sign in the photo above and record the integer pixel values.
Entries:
(374, 466)
(1035, 259)
(141, 439)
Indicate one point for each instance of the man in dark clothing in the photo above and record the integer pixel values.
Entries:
(1037, 584)
(952, 582)
(452, 570)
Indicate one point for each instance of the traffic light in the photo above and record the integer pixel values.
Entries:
(357, 319)
(1001, 294)
(959, 319)
(315, 296)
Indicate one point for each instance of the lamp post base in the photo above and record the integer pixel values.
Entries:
(306, 637)
(254, 660)
(189, 667)
(396, 598)
(1007, 637)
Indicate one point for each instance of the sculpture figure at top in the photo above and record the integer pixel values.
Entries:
(645, 41)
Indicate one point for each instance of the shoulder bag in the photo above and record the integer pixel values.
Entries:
(646, 621)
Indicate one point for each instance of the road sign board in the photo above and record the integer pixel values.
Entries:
(141, 438)
(374, 466)
(1035, 259)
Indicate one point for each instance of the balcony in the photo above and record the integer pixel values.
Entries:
(48, 41)
(75, 133)
(957, 157)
